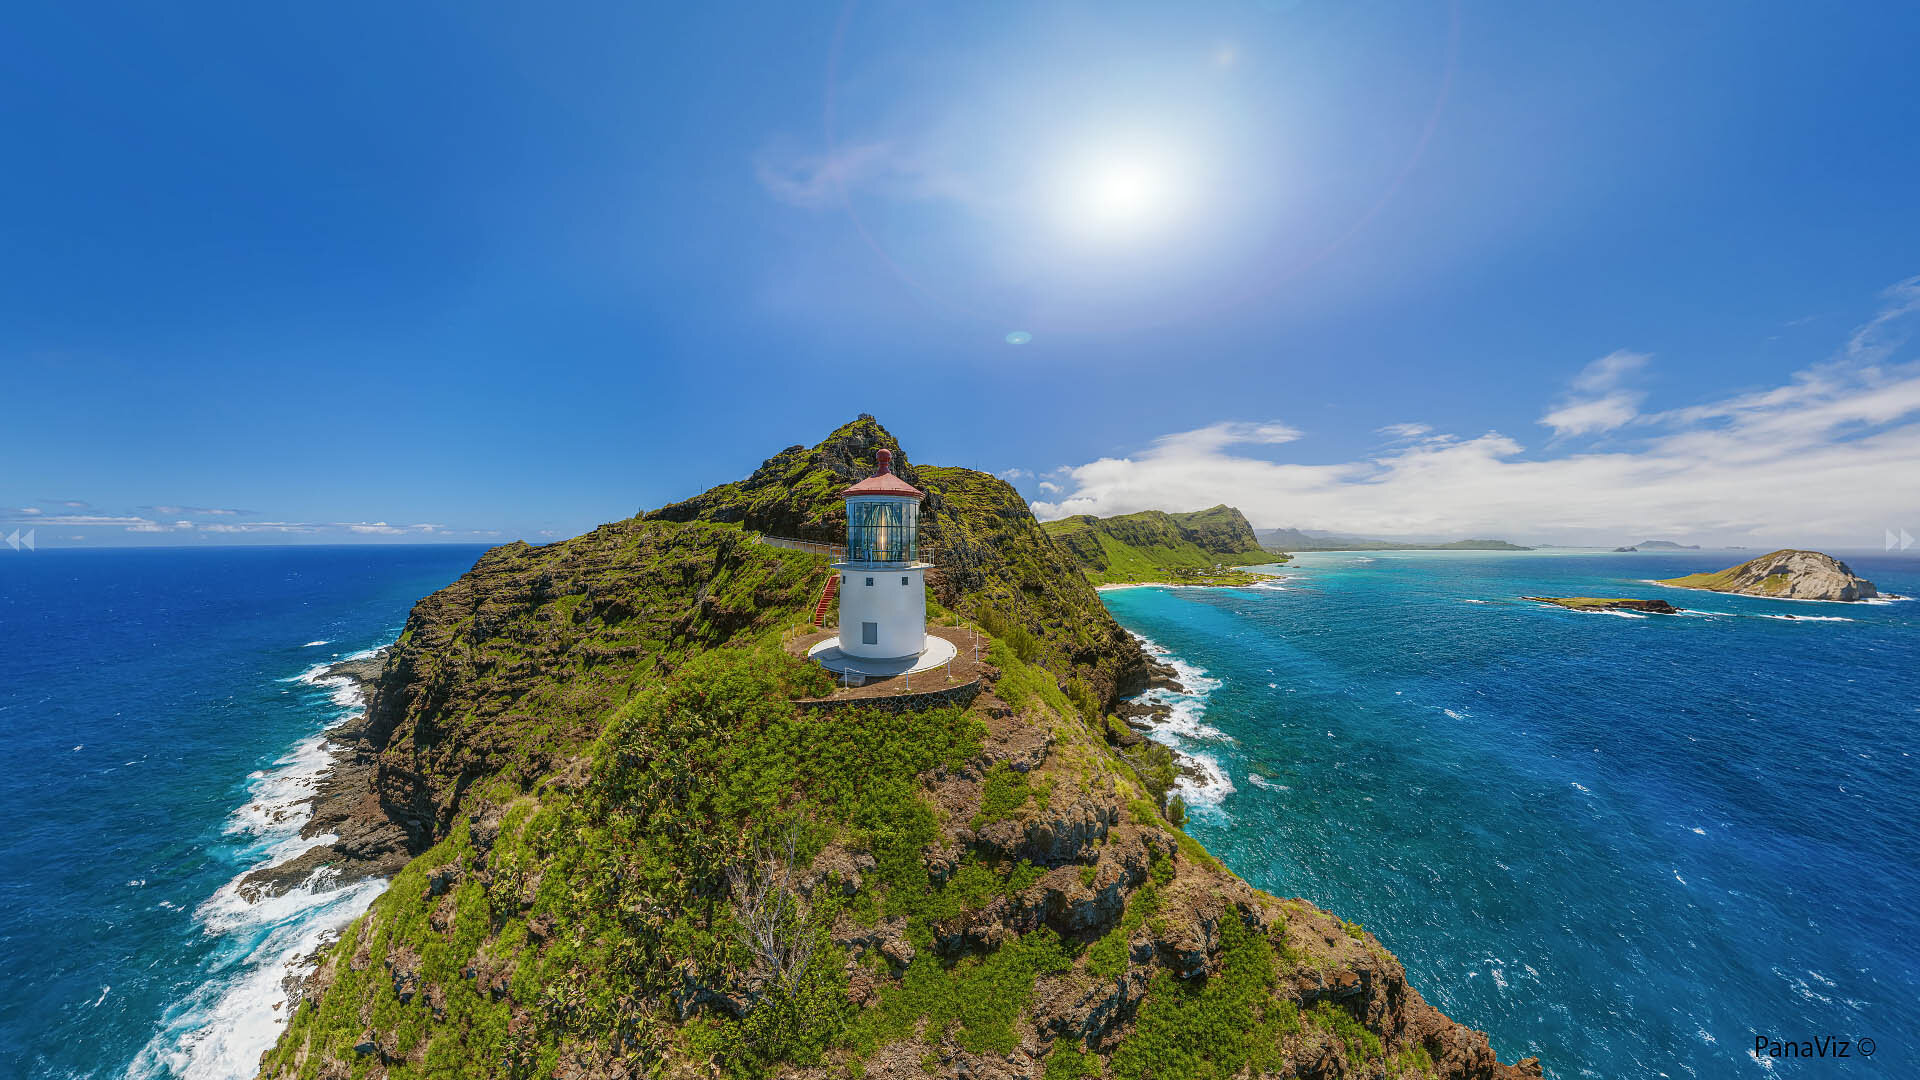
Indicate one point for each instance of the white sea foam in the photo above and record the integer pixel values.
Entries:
(1262, 782)
(221, 1028)
(311, 644)
(1809, 618)
(1203, 782)
(1209, 788)
(1883, 599)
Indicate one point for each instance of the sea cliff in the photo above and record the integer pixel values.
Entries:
(631, 855)
(1152, 546)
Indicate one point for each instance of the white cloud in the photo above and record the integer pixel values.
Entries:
(1010, 475)
(381, 528)
(127, 521)
(1228, 433)
(1878, 338)
(1594, 415)
(1598, 403)
(813, 180)
(207, 511)
(1606, 373)
(1405, 431)
(262, 527)
(1828, 458)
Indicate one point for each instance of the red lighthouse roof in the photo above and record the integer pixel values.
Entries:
(883, 482)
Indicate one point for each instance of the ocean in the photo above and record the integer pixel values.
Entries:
(161, 712)
(1628, 844)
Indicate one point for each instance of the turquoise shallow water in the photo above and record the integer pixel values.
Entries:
(1627, 845)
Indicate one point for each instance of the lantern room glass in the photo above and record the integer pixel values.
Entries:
(883, 530)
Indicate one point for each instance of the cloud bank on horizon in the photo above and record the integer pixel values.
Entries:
(1831, 457)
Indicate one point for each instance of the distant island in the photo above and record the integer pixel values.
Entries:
(1787, 574)
(1202, 547)
(1300, 540)
(1659, 545)
(1596, 603)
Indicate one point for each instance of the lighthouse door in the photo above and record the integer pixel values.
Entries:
(869, 633)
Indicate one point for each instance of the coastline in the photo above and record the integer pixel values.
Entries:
(1169, 712)
(354, 838)
(327, 852)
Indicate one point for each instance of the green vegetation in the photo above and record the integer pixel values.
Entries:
(1197, 548)
(1728, 580)
(1005, 794)
(1361, 1045)
(977, 998)
(1582, 601)
(1216, 1027)
(994, 564)
(1736, 579)
(507, 672)
(1601, 603)
(640, 858)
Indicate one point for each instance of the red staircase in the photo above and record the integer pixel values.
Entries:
(826, 598)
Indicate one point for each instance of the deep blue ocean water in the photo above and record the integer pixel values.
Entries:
(1627, 845)
(156, 739)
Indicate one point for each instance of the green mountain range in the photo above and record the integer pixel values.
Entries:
(624, 851)
(1196, 547)
(1296, 540)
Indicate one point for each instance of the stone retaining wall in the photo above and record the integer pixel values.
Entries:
(961, 695)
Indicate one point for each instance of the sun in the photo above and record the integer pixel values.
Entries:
(1122, 194)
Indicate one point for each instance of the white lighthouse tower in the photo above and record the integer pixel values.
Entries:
(883, 583)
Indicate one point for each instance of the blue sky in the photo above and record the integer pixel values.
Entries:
(464, 271)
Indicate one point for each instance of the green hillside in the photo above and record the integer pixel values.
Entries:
(1199, 547)
(1295, 540)
(634, 856)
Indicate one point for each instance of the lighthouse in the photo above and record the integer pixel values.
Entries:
(883, 583)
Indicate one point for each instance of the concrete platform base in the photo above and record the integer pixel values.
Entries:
(935, 652)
